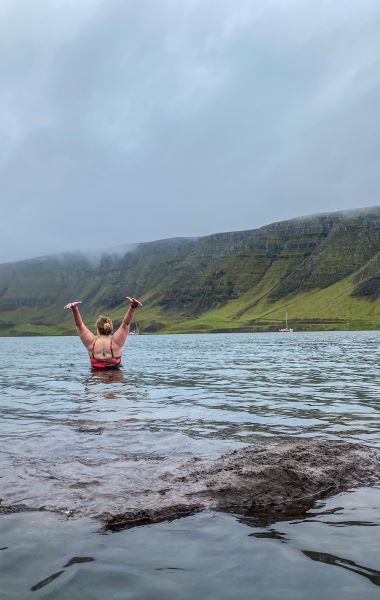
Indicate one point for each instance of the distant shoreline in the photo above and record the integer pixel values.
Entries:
(200, 332)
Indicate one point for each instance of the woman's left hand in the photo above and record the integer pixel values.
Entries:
(134, 302)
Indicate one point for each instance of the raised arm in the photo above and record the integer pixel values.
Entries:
(86, 336)
(120, 334)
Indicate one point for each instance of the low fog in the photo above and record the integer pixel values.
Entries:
(124, 122)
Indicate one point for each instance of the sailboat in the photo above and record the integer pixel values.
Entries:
(134, 330)
(286, 329)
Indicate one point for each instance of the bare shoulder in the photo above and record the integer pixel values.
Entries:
(120, 335)
(116, 347)
(87, 337)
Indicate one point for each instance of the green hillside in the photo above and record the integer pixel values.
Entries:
(323, 270)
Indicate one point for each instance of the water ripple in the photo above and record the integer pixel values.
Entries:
(64, 426)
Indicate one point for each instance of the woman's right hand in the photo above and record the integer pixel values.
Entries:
(72, 304)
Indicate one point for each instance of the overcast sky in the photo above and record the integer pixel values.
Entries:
(126, 121)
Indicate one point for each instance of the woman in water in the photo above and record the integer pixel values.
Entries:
(104, 348)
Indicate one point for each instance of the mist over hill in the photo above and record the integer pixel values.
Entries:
(324, 270)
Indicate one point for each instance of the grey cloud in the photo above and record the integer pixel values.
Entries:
(125, 122)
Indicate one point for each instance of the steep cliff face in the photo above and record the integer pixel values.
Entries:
(349, 244)
(367, 280)
(247, 274)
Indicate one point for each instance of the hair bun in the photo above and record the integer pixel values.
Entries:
(104, 325)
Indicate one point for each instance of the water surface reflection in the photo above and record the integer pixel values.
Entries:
(83, 442)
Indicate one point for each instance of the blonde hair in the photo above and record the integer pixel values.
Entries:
(104, 325)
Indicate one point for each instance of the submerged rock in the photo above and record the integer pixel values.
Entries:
(263, 481)
(8, 509)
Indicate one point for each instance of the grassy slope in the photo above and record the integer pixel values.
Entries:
(330, 308)
(239, 281)
(326, 309)
(323, 309)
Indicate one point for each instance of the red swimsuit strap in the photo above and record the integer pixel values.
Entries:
(93, 348)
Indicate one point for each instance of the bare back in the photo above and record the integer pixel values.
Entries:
(104, 347)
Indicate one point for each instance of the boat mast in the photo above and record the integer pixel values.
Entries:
(286, 320)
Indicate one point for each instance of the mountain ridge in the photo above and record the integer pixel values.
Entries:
(116, 249)
(230, 281)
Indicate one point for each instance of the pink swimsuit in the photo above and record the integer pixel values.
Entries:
(105, 363)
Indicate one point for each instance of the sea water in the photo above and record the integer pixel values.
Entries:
(78, 443)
